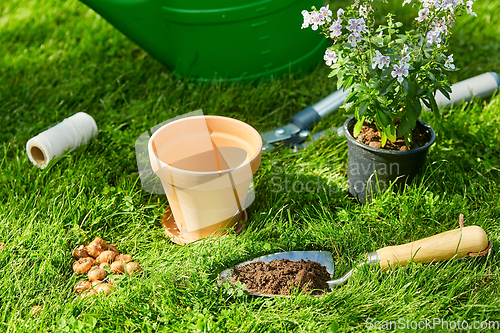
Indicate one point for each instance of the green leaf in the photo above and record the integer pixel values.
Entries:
(61, 322)
(200, 324)
(390, 132)
(431, 76)
(374, 84)
(408, 139)
(405, 86)
(408, 299)
(357, 127)
(362, 108)
(93, 322)
(340, 81)
(334, 72)
(387, 87)
(353, 96)
(384, 117)
(382, 100)
(402, 40)
(417, 64)
(434, 106)
(426, 103)
(411, 115)
(412, 89)
(403, 127)
(418, 107)
(348, 82)
(444, 92)
(360, 87)
(334, 326)
(383, 139)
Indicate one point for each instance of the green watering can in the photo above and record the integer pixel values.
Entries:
(219, 39)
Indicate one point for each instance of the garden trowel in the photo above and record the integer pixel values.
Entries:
(462, 242)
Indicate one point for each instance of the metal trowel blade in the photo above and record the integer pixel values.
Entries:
(322, 257)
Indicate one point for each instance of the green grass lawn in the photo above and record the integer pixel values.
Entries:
(59, 57)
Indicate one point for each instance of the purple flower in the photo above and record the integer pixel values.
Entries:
(307, 19)
(353, 24)
(327, 13)
(469, 8)
(316, 20)
(340, 12)
(330, 57)
(449, 62)
(380, 60)
(406, 57)
(336, 29)
(363, 11)
(433, 36)
(357, 25)
(430, 3)
(423, 14)
(439, 28)
(449, 4)
(380, 36)
(400, 71)
(354, 38)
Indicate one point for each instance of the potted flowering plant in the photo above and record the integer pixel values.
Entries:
(388, 74)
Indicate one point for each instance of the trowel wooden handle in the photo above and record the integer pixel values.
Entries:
(443, 246)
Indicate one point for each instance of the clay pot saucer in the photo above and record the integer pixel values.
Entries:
(174, 234)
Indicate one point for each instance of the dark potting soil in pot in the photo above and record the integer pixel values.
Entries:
(281, 277)
(370, 136)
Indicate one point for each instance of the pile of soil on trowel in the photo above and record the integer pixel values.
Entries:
(283, 277)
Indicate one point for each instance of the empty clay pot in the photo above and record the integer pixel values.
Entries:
(206, 164)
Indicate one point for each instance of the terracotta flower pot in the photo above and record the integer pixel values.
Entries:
(371, 170)
(205, 164)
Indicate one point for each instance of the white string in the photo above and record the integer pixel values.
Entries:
(72, 132)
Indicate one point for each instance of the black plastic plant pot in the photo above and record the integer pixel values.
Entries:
(372, 170)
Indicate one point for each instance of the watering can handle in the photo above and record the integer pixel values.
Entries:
(443, 246)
